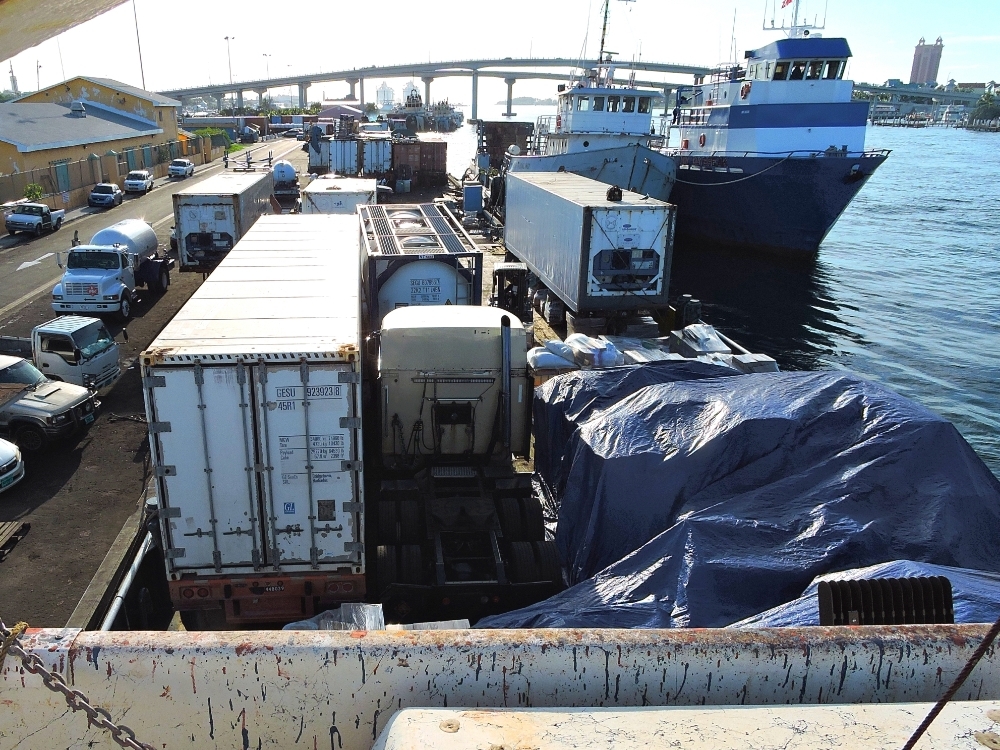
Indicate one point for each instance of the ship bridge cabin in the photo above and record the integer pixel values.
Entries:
(592, 118)
(801, 59)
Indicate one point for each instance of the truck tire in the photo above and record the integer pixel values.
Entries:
(163, 282)
(125, 310)
(388, 530)
(509, 513)
(29, 438)
(411, 568)
(57, 225)
(549, 567)
(411, 525)
(38, 230)
(523, 568)
(385, 566)
(11, 232)
(534, 521)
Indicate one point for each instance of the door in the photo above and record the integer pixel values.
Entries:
(313, 493)
(62, 175)
(57, 358)
(204, 435)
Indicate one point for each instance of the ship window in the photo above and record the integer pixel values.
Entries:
(767, 74)
(815, 71)
(644, 104)
(583, 104)
(598, 103)
(781, 71)
(614, 103)
(629, 104)
(832, 70)
(798, 71)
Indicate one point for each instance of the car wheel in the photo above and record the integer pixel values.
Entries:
(29, 438)
(125, 310)
(57, 225)
(11, 232)
(38, 230)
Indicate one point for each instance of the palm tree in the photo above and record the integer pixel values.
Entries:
(987, 99)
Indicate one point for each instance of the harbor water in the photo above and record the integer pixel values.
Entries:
(905, 290)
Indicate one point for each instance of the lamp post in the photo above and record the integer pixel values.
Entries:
(267, 64)
(229, 57)
(38, 76)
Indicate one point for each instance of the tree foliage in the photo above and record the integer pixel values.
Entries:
(33, 191)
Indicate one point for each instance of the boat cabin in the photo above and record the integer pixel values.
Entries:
(601, 109)
(800, 59)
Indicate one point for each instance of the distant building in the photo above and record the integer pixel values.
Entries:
(385, 96)
(926, 61)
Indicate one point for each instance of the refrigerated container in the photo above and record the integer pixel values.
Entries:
(337, 195)
(212, 216)
(253, 400)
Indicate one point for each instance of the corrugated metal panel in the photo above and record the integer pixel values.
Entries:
(311, 689)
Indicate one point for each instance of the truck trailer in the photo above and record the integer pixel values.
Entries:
(330, 194)
(603, 252)
(212, 216)
(253, 399)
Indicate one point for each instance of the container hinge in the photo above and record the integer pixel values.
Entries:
(170, 512)
(157, 427)
(353, 507)
(354, 547)
(154, 381)
(348, 377)
(353, 423)
(350, 466)
(166, 471)
(173, 554)
(217, 559)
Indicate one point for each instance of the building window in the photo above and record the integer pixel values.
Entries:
(161, 115)
(583, 104)
(781, 71)
(815, 70)
(644, 104)
(598, 103)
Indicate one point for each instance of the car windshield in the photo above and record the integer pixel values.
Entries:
(178, 163)
(93, 339)
(104, 261)
(29, 210)
(104, 189)
(21, 373)
(136, 176)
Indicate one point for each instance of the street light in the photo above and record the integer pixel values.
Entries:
(267, 64)
(230, 58)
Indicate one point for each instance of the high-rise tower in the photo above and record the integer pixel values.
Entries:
(926, 61)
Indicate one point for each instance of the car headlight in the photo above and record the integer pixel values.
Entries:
(56, 296)
(109, 297)
(58, 419)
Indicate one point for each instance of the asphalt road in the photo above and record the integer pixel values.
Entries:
(28, 264)
(78, 493)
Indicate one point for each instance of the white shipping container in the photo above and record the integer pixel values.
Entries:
(212, 216)
(595, 254)
(337, 195)
(253, 398)
(377, 156)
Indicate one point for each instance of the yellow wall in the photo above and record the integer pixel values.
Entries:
(11, 160)
(85, 90)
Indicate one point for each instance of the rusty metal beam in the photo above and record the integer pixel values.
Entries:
(278, 688)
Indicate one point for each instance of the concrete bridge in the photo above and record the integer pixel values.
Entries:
(509, 69)
(896, 92)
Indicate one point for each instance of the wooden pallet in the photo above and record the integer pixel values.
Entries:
(11, 533)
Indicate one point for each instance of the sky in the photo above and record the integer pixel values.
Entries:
(185, 45)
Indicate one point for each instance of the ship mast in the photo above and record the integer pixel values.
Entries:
(604, 30)
(795, 30)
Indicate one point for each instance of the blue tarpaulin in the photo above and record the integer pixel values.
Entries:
(699, 503)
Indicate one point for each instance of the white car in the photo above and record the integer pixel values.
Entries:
(11, 465)
(181, 168)
(138, 181)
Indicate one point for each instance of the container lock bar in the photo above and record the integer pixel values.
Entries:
(158, 427)
(170, 512)
(348, 377)
(350, 466)
(350, 423)
(154, 381)
(166, 471)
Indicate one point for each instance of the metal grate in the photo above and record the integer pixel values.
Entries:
(449, 239)
(433, 231)
(385, 239)
(452, 472)
(886, 601)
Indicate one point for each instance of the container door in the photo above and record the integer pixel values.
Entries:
(204, 434)
(309, 442)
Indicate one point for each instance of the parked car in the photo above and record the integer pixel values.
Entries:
(302, 137)
(138, 181)
(35, 218)
(292, 132)
(105, 195)
(181, 168)
(11, 465)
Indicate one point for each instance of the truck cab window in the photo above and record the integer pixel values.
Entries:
(93, 339)
(781, 71)
(59, 345)
(815, 70)
(798, 71)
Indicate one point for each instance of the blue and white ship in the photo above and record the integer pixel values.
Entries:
(765, 155)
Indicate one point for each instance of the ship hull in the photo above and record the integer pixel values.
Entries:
(773, 203)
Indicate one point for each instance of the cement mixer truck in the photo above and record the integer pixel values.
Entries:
(103, 277)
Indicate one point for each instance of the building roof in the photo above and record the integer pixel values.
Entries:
(158, 100)
(44, 125)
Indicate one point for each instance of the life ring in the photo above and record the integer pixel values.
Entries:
(558, 122)
(701, 139)
(745, 90)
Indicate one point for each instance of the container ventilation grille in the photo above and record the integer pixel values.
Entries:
(886, 601)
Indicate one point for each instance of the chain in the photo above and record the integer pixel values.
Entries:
(76, 700)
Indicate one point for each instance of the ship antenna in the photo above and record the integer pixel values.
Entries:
(604, 31)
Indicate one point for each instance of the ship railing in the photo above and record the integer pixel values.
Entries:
(799, 154)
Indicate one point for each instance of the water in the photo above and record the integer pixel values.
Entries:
(905, 291)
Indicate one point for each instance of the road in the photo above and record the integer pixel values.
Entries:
(78, 494)
(28, 264)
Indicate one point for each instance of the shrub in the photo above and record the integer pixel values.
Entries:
(33, 191)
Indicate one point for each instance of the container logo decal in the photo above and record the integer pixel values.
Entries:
(289, 509)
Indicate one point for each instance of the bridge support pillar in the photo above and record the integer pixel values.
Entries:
(353, 82)
(361, 98)
(303, 91)
(427, 90)
(510, 95)
(261, 93)
(239, 101)
(475, 95)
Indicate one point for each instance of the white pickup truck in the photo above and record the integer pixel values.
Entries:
(71, 349)
(34, 218)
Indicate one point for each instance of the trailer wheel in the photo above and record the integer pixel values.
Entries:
(388, 530)
(163, 282)
(534, 526)
(410, 522)
(549, 567)
(385, 566)
(510, 519)
(411, 568)
(523, 568)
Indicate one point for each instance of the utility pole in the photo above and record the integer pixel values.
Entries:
(267, 65)
(38, 76)
(142, 70)
(229, 57)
